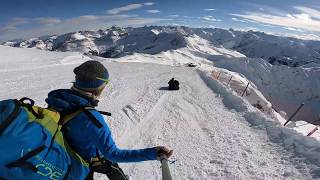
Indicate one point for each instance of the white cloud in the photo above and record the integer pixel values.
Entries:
(13, 24)
(210, 9)
(126, 8)
(89, 17)
(47, 21)
(18, 21)
(174, 15)
(148, 3)
(267, 25)
(129, 7)
(304, 36)
(87, 22)
(7, 29)
(210, 18)
(186, 16)
(239, 20)
(153, 11)
(306, 19)
(293, 29)
(311, 12)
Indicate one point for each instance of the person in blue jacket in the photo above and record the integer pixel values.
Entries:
(95, 144)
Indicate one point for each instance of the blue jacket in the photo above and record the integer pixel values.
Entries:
(85, 137)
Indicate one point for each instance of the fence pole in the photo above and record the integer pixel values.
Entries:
(313, 131)
(245, 89)
(213, 74)
(301, 105)
(229, 81)
(274, 109)
(218, 76)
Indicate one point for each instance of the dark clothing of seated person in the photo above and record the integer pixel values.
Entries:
(173, 84)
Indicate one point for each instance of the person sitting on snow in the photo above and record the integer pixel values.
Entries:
(88, 140)
(173, 84)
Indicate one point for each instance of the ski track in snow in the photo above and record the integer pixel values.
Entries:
(213, 136)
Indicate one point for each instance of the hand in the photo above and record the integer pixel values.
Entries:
(163, 152)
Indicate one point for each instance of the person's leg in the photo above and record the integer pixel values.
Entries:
(90, 176)
(116, 173)
(112, 170)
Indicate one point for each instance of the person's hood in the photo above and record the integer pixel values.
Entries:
(68, 100)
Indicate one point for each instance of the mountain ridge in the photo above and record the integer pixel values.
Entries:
(116, 42)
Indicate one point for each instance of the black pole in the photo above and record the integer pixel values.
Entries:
(229, 81)
(313, 131)
(105, 113)
(245, 89)
(301, 105)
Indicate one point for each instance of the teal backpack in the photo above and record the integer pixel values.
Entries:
(32, 144)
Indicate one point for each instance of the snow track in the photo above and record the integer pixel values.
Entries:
(211, 137)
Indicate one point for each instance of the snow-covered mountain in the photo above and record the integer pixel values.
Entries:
(117, 42)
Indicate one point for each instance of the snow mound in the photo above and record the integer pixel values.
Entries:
(288, 138)
(285, 87)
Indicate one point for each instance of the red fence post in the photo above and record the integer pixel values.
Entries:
(218, 76)
(301, 105)
(213, 74)
(245, 89)
(313, 131)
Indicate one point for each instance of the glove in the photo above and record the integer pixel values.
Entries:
(163, 152)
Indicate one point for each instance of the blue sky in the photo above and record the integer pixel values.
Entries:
(33, 18)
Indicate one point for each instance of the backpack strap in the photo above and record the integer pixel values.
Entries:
(67, 116)
(22, 162)
(92, 118)
(29, 106)
(11, 117)
(67, 173)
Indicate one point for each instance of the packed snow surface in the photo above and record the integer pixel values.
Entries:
(215, 133)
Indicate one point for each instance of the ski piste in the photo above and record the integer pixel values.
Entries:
(215, 133)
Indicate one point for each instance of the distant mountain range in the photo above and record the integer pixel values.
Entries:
(118, 42)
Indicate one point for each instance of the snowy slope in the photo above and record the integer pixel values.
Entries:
(283, 86)
(215, 134)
